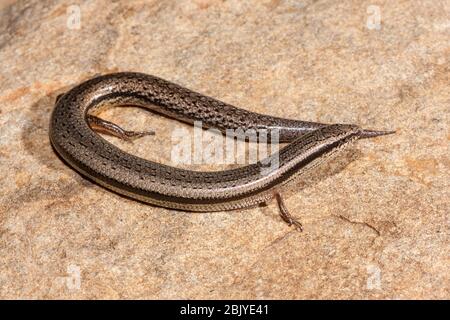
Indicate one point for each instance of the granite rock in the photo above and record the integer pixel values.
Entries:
(376, 225)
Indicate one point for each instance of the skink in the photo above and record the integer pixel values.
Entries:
(73, 137)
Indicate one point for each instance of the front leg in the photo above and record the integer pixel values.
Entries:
(104, 126)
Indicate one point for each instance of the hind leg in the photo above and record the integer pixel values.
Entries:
(285, 215)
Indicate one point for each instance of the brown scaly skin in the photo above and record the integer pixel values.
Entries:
(162, 185)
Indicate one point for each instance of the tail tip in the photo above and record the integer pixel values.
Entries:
(375, 133)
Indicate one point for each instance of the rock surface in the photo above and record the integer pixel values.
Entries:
(376, 228)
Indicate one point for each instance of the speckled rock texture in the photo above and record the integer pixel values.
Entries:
(376, 223)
